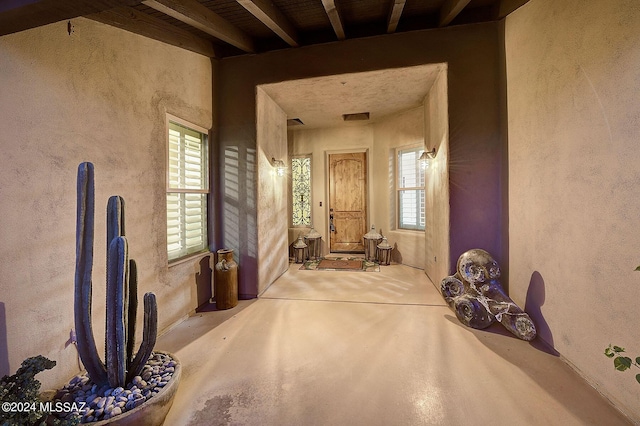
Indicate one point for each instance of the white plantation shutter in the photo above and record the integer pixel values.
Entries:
(187, 191)
(410, 187)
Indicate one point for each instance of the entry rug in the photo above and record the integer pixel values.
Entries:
(341, 264)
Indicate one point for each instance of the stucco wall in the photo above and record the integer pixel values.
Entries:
(401, 130)
(99, 95)
(473, 56)
(272, 200)
(573, 79)
(379, 139)
(437, 229)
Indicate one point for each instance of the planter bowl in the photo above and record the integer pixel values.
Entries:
(154, 410)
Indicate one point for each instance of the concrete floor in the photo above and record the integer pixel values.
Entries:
(367, 348)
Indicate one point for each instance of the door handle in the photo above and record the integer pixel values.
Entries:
(332, 227)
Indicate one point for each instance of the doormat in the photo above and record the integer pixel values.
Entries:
(341, 264)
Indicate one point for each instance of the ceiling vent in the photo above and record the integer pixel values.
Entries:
(356, 117)
(294, 122)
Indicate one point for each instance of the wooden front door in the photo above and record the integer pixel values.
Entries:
(347, 201)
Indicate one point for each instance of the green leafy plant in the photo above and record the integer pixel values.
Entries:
(622, 362)
(23, 388)
(20, 398)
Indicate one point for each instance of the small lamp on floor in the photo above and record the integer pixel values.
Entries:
(313, 241)
(371, 241)
(300, 250)
(384, 252)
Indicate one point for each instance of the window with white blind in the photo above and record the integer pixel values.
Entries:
(410, 189)
(187, 189)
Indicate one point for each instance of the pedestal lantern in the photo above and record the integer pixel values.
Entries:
(371, 241)
(300, 250)
(314, 252)
(384, 252)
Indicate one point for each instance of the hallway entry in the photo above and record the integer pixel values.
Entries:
(347, 202)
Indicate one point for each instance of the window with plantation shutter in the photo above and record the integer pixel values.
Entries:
(410, 189)
(187, 189)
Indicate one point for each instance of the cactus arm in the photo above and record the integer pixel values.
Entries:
(84, 264)
(115, 218)
(149, 334)
(133, 310)
(116, 312)
(118, 342)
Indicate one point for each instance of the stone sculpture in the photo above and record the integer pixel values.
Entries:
(477, 297)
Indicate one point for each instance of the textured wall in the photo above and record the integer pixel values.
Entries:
(100, 95)
(273, 217)
(437, 232)
(573, 78)
(379, 139)
(402, 130)
(473, 56)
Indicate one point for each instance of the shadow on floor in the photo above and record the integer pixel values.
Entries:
(205, 319)
(536, 364)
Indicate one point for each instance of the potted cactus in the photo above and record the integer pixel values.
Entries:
(132, 388)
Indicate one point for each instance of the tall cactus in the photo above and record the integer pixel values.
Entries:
(120, 365)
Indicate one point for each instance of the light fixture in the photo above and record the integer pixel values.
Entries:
(371, 240)
(313, 239)
(279, 165)
(300, 250)
(426, 158)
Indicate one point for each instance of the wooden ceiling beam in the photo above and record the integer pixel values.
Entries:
(394, 15)
(450, 9)
(20, 15)
(199, 16)
(132, 20)
(505, 7)
(334, 18)
(271, 16)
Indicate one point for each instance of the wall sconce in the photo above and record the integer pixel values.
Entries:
(281, 168)
(426, 158)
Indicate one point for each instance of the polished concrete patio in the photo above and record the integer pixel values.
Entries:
(367, 348)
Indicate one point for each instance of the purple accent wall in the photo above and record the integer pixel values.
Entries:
(477, 141)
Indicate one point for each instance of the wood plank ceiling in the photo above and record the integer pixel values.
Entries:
(222, 28)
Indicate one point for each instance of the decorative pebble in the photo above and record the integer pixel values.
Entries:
(101, 402)
(106, 402)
